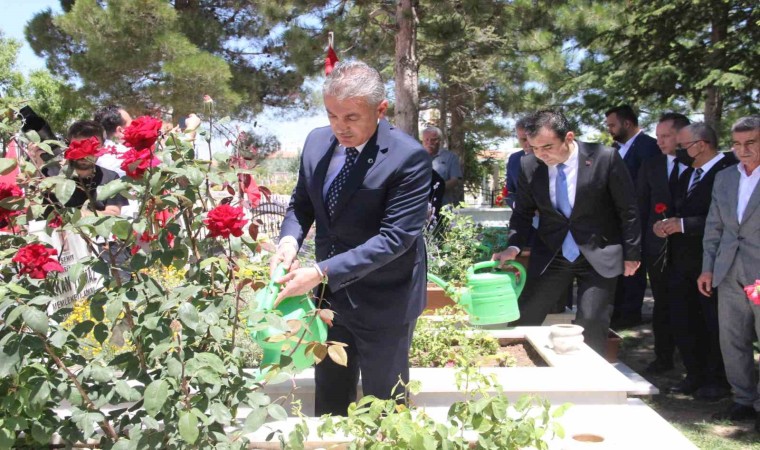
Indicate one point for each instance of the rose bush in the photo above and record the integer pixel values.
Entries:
(37, 261)
(225, 220)
(142, 133)
(84, 148)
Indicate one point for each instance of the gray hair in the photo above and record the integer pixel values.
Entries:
(748, 123)
(355, 79)
(703, 132)
(521, 123)
(432, 129)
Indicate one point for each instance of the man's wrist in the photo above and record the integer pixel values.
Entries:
(516, 249)
(288, 240)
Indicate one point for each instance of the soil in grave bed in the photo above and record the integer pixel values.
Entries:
(512, 352)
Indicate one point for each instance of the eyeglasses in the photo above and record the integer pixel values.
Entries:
(689, 145)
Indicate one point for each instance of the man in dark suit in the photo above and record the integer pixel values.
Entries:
(694, 316)
(589, 225)
(365, 184)
(635, 147)
(513, 163)
(657, 186)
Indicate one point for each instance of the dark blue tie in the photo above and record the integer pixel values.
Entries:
(333, 192)
(569, 247)
(697, 177)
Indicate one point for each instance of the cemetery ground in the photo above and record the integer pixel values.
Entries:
(690, 416)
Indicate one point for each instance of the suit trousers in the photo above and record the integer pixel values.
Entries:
(382, 356)
(595, 293)
(629, 296)
(739, 320)
(664, 343)
(694, 319)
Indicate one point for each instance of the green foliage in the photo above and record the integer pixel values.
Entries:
(450, 341)
(484, 420)
(454, 247)
(184, 379)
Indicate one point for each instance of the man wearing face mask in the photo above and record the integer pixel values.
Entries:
(635, 147)
(658, 185)
(694, 316)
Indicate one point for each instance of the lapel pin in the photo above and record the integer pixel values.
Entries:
(370, 160)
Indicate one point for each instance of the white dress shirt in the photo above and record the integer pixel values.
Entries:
(671, 163)
(747, 185)
(627, 146)
(705, 168)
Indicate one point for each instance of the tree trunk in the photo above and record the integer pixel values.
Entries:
(443, 109)
(406, 70)
(456, 100)
(713, 96)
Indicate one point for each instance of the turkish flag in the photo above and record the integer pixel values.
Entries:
(330, 60)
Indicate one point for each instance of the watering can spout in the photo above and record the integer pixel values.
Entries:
(437, 280)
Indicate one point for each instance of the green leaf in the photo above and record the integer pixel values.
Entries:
(121, 229)
(59, 338)
(277, 412)
(255, 420)
(100, 332)
(128, 393)
(36, 320)
(7, 165)
(155, 396)
(17, 289)
(111, 189)
(188, 426)
(101, 374)
(64, 189)
(113, 308)
(188, 315)
(220, 413)
(195, 176)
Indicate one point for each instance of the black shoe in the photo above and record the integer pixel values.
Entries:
(658, 366)
(687, 386)
(757, 422)
(712, 392)
(736, 412)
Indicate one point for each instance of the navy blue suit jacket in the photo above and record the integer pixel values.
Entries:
(513, 174)
(378, 276)
(643, 148)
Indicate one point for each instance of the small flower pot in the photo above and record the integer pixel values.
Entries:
(613, 346)
(565, 338)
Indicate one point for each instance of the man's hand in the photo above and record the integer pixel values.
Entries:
(298, 282)
(671, 226)
(286, 255)
(192, 122)
(506, 255)
(631, 267)
(704, 283)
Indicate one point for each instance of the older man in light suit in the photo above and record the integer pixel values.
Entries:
(731, 261)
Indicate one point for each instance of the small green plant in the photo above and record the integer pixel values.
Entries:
(437, 343)
(484, 420)
(454, 246)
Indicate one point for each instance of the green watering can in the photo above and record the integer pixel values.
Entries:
(489, 297)
(292, 308)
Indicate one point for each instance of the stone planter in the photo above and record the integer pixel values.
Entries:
(437, 298)
(613, 346)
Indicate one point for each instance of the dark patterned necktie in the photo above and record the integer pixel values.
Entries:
(333, 192)
(697, 177)
(673, 180)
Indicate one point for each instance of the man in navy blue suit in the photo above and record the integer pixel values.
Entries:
(365, 184)
(513, 163)
(635, 147)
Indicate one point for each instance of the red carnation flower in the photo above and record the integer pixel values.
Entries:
(82, 148)
(7, 191)
(753, 292)
(660, 208)
(142, 133)
(225, 220)
(136, 162)
(36, 260)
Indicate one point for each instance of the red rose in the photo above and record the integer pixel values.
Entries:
(753, 292)
(142, 133)
(225, 220)
(504, 192)
(8, 191)
(660, 208)
(55, 222)
(82, 148)
(136, 162)
(35, 260)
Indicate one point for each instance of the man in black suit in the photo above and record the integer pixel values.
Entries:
(635, 147)
(694, 316)
(365, 185)
(657, 186)
(589, 225)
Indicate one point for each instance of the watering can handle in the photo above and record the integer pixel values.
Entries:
(272, 289)
(492, 264)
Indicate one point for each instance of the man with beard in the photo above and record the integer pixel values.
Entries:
(635, 148)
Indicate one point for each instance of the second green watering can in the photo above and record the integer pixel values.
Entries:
(489, 297)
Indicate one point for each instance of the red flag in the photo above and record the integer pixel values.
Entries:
(331, 59)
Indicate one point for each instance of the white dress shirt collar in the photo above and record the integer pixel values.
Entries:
(747, 185)
(627, 146)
